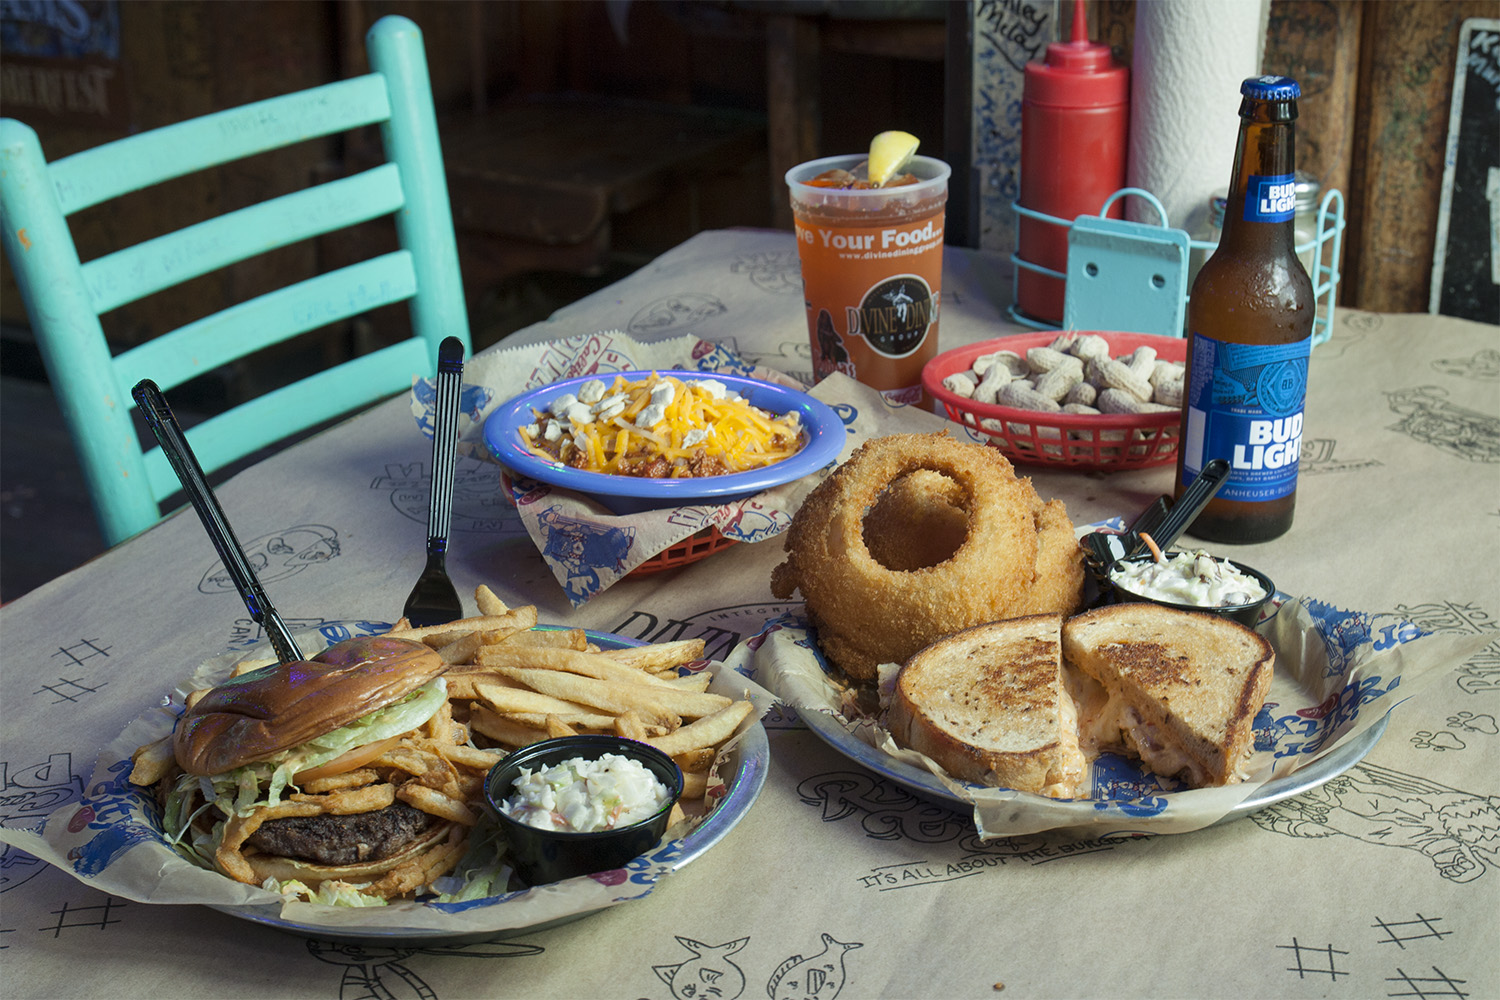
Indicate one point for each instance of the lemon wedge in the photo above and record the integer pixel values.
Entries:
(890, 152)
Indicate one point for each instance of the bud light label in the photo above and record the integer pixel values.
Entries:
(1244, 404)
(1271, 199)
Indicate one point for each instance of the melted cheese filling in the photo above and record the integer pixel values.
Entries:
(1067, 773)
(1109, 721)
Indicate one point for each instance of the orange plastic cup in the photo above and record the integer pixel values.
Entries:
(872, 273)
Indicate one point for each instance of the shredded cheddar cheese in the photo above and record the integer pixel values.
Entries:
(661, 427)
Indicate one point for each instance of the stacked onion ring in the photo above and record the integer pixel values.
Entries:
(917, 536)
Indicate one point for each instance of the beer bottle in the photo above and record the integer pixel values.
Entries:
(1250, 319)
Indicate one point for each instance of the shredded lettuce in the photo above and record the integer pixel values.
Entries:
(239, 790)
(330, 893)
(483, 870)
(393, 720)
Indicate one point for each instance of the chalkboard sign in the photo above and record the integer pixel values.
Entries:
(1466, 259)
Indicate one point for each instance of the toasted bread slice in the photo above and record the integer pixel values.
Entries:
(990, 706)
(1182, 687)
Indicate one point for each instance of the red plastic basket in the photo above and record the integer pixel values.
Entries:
(699, 545)
(1072, 440)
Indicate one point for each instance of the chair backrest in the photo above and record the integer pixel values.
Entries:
(64, 297)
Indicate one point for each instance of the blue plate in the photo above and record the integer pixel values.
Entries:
(924, 784)
(628, 494)
(744, 772)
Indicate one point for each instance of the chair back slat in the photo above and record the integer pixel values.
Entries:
(139, 161)
(164, 261)
(268, 418)
(65, 297)
(251, 326)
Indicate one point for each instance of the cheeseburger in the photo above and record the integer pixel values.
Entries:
(278, 772)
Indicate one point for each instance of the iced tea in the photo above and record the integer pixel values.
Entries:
(872, 268)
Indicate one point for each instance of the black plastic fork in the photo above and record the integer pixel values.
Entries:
(434, 600)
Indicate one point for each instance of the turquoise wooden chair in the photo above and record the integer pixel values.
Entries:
(64, 297)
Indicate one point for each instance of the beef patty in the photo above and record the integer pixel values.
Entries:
(342, 840)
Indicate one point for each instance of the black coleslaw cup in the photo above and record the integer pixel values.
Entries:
(1245, 614)
(543, 856)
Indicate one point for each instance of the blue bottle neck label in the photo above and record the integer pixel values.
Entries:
(1270, 198)
(1244, 404)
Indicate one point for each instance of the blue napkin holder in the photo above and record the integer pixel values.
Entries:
(1125, 276)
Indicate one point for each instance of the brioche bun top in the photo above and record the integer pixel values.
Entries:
(275, 708)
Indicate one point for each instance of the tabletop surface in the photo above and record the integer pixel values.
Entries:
(836, 883)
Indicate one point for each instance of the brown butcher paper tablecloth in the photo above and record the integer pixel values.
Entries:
(1380, 880)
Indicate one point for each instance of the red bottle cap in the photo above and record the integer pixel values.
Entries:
(1078, 73)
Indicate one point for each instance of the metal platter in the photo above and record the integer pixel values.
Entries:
(923, 784)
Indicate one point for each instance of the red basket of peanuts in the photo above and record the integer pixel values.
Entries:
(1083, 400)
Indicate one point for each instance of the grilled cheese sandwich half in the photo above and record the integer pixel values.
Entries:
(1177, 689)
(989, 704)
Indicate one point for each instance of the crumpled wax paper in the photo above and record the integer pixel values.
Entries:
(588, 547)
(112, 840)
(1337, 674)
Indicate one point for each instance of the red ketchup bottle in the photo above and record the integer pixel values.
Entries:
(1075, 127)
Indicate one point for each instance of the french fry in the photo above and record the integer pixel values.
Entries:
(520, 699)
(435, 803)
(521, 618)
(533, 638)
(503, 730)
(629, 725)
(695, 760)
(464, 680)
(692, 682)
(152, 762)
(694, 784)
(437, 640)
(708, 731)
(580, 720)
(466, 643)
(462, 649)
(663, 726)
(489, 603)
(557, 727)
(658, 655)
(578, 662)
(616, 696)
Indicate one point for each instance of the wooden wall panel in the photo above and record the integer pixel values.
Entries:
(1316, 43)
(1377, 76)
(1401, 125)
